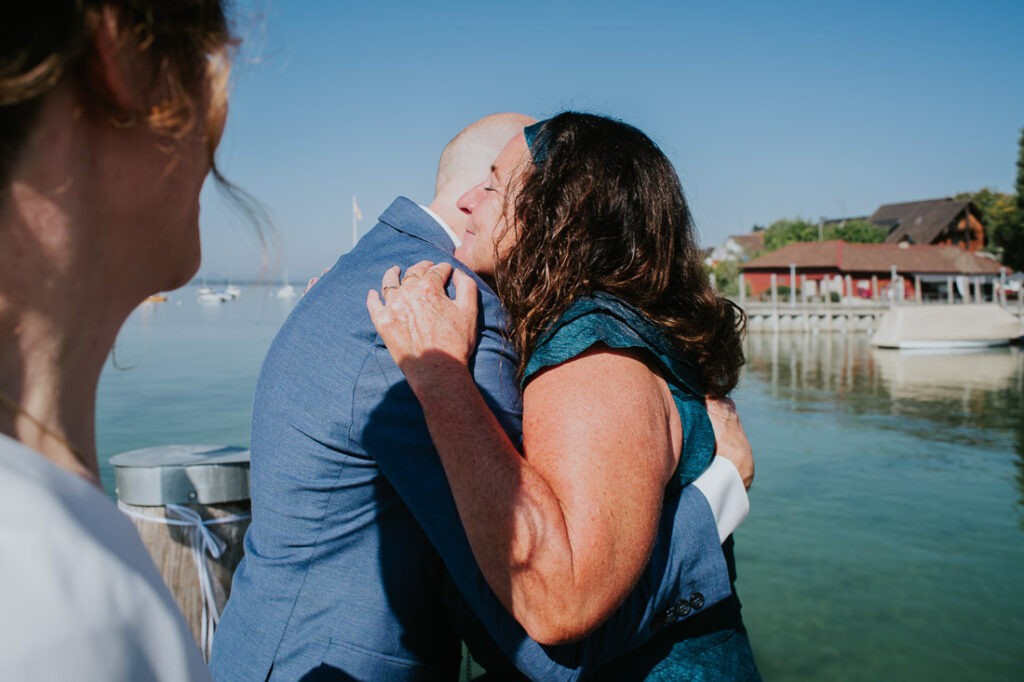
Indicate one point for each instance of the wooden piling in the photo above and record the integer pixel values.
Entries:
(167, 492)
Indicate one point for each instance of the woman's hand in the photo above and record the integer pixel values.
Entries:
(730, 438)
(424, 330)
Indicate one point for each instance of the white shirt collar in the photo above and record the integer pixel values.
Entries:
(444, 226)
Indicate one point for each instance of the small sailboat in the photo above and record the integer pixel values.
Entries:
(286, 290)
(207, 295)
(210, 296)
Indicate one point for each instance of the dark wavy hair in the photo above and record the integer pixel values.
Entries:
(604, 211)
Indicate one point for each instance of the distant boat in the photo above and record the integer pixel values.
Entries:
(286, 290)
(232, 291)
(207, 295)
(210, 296)
(946, 327)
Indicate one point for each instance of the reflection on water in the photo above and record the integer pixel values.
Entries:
(885, 536)
(974, 397)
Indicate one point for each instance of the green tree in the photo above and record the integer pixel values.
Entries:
(783, 232)
(996, 209)
(1012, 235)
(727, 277)
(860, 231)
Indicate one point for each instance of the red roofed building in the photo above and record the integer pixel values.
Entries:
(933, 265)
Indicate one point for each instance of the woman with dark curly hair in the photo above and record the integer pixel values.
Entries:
(584, 230)
(110, 112)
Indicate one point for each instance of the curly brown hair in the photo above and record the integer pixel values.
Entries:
(604, 211)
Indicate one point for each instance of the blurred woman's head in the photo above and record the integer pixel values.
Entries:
(591, 204)
(132, 96)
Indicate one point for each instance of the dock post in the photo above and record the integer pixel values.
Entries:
(978, 296)
(949, 290)
(187, 502)
(826, 285)
(775, 302)
(792, 285)
(917, 288)
(1002, 286)
(874, 287)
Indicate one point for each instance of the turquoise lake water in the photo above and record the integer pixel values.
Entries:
(886, 536)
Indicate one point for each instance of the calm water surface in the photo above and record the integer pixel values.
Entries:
(886, 538)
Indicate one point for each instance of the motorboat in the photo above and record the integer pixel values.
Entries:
(942, 327)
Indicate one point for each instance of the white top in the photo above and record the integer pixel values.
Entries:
(723, 487)
(444, 226)
(81, 598)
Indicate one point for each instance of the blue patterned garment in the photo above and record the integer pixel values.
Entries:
(603, 318)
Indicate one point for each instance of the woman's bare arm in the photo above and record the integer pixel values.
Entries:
(563, 532)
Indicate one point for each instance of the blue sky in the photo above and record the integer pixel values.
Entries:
(768, 110)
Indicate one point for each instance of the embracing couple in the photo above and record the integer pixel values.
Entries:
(507, 443)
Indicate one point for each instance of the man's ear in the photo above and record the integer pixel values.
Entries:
(113, 67)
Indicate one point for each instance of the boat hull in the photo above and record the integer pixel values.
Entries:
(940, 327)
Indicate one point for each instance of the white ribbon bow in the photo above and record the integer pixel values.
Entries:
(203, 542)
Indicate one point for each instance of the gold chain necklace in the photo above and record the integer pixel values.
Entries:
(10, 404)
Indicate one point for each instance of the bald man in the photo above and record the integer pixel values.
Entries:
(356, 565)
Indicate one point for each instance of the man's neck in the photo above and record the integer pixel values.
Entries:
(456, 239)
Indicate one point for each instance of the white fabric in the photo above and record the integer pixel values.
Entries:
(723, 487)
(443, 224)
(81, 599)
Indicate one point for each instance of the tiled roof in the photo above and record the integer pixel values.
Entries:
(751, 243)
(848, 257)
(920, 222)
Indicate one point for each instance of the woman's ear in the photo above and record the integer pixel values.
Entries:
(114, 68)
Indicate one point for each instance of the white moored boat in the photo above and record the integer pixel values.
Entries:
(940, 327)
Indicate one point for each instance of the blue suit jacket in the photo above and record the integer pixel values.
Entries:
(355, 533)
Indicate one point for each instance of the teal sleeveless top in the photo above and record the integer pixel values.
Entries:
(603, 318)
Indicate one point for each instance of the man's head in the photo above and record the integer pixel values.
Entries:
(467, 159)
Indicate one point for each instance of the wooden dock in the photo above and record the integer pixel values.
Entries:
(814, 317)
(857, 316)
(791, 310)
